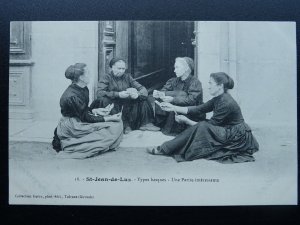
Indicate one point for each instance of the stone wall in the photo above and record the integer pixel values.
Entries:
(55, 46)
(261, 58)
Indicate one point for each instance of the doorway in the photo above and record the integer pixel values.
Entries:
(150, 47)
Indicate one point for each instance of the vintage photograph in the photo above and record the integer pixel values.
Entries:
(154, 113)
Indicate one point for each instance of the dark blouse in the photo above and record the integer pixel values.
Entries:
(110, 85)
(225, 109)
(185, 92)
(74, 103)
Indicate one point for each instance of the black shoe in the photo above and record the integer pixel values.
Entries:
(127, 130)
(154, 150)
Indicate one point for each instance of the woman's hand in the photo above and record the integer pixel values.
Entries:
(155, 94)
(113, 118)
(123, 94)
(181, 119)
(166, 106)
(167, 98)
(184, 119)
(110, 106)
(103, 111)
(134, 95)
(158, 94)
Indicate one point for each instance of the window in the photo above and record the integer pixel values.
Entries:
(20, 47)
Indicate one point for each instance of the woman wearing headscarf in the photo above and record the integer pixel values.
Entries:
(83, 132)
(183, 90)
(128, 96)
(225, 137)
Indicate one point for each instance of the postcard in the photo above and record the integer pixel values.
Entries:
(152, 113)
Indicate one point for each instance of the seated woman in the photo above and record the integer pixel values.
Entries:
(128, 96)
(184, 90)
(225, 138)
(82, 132)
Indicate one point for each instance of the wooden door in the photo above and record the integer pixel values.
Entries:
(148, 55)
(20, 66)
(150, 47)
(107, 45)
(181, 37)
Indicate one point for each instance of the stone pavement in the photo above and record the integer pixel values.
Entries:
(42, 131)
(35, 168)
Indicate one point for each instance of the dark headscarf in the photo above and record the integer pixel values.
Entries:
(114, 60)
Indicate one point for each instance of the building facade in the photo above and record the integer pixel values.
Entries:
(259, 56)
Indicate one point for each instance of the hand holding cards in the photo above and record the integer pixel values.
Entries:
(158, 103)
(181, 119)
(123, 94)
(158, 94)
(167, 98)
(165, 106)
(110, 107)
(113, 118)
(133, 93)
(103, 111)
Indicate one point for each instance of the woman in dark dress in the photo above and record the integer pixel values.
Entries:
(128, 96)
(183, 90)
(82, 132)
(225, 137)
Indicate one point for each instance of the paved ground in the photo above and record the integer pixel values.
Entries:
(35, 169)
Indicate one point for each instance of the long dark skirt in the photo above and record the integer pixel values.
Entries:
(224, 144)
(136, 112)
(166, 121)
(81, 140)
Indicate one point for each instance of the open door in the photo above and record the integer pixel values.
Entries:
(150, 47)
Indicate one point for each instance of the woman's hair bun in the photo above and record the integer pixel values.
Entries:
(70, 71)
(73, 72)
(223, 78)
(230, 83)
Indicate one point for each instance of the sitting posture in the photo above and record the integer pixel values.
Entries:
(184, 90)
(128, 96)
(82, 132)
(225, 137)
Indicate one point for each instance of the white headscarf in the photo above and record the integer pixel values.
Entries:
(184, 63)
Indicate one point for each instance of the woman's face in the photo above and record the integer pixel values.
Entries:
(85, 77)
(118, 68)
(179, 69)
(214, 88)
